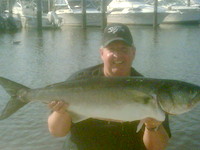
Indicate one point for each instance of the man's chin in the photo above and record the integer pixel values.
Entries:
(118, 73)
(121, 71)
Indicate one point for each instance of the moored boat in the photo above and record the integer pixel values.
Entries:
(9, 22)
(71, 12)
(187, 14)
(134, 12)
(28, 14)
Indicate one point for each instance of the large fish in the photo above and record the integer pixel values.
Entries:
(118, 98)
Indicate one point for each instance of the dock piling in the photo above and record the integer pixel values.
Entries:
(39, 14)
(84, 17)
(10, 5)
(103, 13)
(188, 3)
(155, 21)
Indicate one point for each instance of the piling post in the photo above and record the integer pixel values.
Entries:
(39, 14)
(52, 5)
(10, 5)
(155, 21)
(103, 13)
(49, 5)
(84, 17)
(188, 3)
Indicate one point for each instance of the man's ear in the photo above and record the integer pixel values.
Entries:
(134, 53)
(101, 52)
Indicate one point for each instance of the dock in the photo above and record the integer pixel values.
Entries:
(51, 14)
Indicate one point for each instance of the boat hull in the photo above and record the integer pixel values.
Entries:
(76, 18)
(31, 22)
(136, 18)
(185, 15)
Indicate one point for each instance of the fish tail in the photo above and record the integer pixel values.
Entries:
(14, 103)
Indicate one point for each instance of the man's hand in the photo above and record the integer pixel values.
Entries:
(58, 106)
(151, 123)
(59, 122)
(155, 136)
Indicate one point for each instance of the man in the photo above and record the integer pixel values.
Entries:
(117, 53)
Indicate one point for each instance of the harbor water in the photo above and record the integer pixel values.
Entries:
(37, 59)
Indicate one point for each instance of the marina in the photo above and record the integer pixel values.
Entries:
(57, 13)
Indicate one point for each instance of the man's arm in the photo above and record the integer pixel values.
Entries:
(59, 122)
(155, 139)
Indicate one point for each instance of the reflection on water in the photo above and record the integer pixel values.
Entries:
(42, 58)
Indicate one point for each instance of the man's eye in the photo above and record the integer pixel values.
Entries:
(111, 49)
(125, 50)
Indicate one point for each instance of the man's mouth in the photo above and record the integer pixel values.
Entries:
(118, 62)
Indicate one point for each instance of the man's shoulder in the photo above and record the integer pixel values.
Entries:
(95, 71)
(135, 72)
(87, 72)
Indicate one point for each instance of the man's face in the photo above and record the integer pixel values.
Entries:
(117, 58)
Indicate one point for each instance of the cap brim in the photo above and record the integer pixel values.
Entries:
(116, 39)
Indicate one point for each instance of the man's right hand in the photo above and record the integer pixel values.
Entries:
(59, 122)
(58, 106)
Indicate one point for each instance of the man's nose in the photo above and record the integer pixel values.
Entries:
(117, 53)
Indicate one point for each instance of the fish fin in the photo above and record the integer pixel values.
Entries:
(154, 96)
(11, 107)
(14, 103)
(139, 127)
(76, 117)
(11, 87)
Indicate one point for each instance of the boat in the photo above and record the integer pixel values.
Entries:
(187, 14)
(2, 23)
(9, 22)
(134, 12)
(27, 12)
(71, 12)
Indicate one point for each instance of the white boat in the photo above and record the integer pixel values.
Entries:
(187, 14)
(134, 12)
(71, 12)
(27, 11)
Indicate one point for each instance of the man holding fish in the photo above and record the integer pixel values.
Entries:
(117, 53)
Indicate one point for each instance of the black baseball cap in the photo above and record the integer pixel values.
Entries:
(117, 31)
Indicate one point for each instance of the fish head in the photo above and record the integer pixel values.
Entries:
(178, 97)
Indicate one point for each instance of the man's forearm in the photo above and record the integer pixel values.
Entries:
(155, 140)
(59, 124)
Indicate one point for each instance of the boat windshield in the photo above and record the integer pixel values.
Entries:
(77, 3)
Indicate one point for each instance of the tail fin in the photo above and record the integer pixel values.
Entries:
(14, 103)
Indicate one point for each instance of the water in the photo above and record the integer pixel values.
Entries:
(37, 59)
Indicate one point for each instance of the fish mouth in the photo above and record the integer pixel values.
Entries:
(195, 100)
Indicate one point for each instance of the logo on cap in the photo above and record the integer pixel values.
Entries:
(115, 29)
